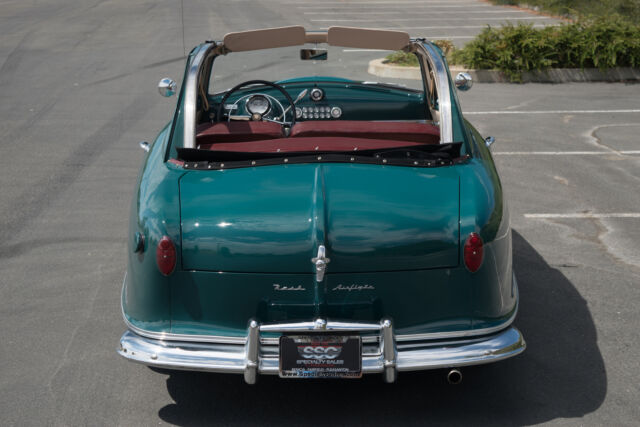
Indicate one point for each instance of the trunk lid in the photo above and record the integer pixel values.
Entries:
(272, 219)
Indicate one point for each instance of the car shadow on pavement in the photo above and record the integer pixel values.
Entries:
(560, 375)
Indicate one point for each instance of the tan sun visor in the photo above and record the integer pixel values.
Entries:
(364, 38)
(265, 39)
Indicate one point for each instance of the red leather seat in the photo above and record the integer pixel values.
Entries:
(208, 133)
(398, 131)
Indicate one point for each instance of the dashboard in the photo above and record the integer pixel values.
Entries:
(318, 100)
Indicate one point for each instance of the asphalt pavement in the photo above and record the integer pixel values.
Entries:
(79, 91)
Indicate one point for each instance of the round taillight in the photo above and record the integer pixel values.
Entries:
(166, 256)
(473, 252)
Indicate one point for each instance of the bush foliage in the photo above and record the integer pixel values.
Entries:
(602, 43)
(410, 60)
(628, 9)
(402, 58)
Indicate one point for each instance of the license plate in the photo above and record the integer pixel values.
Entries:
(320, 356)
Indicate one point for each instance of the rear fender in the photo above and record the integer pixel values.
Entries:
(483, 210)
(154, 213)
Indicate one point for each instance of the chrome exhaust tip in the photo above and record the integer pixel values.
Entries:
(454, 376)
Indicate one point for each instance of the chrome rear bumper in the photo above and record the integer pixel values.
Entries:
(381, 352)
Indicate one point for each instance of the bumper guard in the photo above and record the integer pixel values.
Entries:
(381, 352)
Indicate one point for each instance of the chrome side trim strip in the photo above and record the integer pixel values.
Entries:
(457, 334)
(191, 95)
(469, 332)
(168, 336)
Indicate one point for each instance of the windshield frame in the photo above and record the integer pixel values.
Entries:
(197, 81)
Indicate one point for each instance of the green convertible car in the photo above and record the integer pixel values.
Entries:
(296, 219)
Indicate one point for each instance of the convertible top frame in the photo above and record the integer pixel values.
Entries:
(361, 38)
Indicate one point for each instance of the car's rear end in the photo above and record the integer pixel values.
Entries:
(416, 272)
(330, 249)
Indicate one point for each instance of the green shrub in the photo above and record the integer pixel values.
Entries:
(446, 46)
(628, 9)
(405, 59)
(603, 42)
(401, 58)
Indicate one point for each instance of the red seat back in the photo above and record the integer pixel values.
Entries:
(208, 133)
(398, 131)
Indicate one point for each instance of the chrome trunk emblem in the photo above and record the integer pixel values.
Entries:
(320, 262)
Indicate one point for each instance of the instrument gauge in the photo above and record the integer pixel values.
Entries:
(317, 94)
(258, 104)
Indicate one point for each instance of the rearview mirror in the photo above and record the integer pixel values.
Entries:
(313, 54)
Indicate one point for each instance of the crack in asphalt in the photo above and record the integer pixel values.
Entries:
(592, 134)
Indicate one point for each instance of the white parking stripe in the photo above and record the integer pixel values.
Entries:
(407, 9)
(445, 27)
(386, 6)
(479, 113)
(584, 215)
(456, 18)
(428, 12)
(427, 36)
(366, 3)
(564, 153)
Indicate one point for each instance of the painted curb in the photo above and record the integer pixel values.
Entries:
(377, 68)
(554, 75)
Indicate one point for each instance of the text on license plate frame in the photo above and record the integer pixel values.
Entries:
(320, 356)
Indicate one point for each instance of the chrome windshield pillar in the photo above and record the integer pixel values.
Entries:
(439, 68)
(191, 96)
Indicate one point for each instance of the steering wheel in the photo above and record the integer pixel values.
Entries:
(292, 106)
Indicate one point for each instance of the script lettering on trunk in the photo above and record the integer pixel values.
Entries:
(350, 288)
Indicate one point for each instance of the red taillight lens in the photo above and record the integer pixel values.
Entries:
(473, 252)
(166, 256)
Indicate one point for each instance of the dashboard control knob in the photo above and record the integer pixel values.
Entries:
(336, 112)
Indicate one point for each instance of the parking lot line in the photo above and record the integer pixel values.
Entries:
(446, 27)
(564, 153)
(387, 7)
(460, 18)
(439, 37)
(478, 113)
(428, 12)
(386, 3)
(585, 215)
